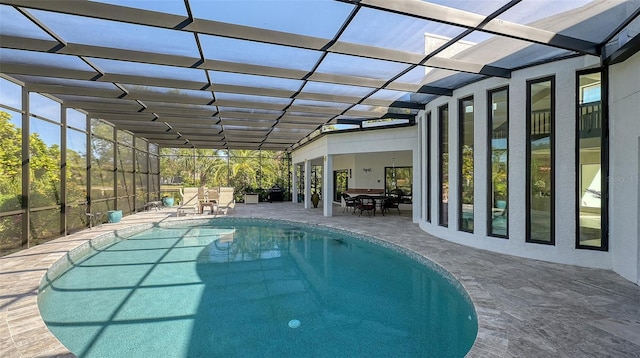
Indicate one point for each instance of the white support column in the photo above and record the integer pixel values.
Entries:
(327, 186)
(307, 184)
(294, 184)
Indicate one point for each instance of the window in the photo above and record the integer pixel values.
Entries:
(316, 179)
(540, 162)
(498, 162)
(299, 173)
(591, 127)
(399, 181)
(465, 164)
(428, 171)
(443, 164)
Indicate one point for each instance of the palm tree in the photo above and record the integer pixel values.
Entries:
(245, 168)
(195, 166)
(242, 169)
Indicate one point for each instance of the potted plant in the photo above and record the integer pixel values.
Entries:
(251, 196)
(114, 216)
(167, 200)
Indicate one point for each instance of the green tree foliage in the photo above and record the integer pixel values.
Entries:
(10, 163)
(76, 173)
(499, 173)
(194, 167)
(245, 170)
(210, 167)
(44, 165)
(467, 174)
(44, 188)
(102, 146)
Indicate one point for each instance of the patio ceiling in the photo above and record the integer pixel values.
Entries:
(240, 74)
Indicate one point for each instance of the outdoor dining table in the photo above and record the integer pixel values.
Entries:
(377, 199)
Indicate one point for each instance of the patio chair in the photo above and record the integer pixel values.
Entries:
(367, 204)
(190, 202)
(392, 202)
(349, 202)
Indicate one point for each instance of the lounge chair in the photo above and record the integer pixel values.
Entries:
(226, 202)
(190, 202)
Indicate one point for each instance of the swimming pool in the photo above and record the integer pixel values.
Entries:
(246, 287)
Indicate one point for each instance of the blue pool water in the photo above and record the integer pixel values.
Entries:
(250, 288)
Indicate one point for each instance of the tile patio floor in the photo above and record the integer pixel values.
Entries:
(526, 308)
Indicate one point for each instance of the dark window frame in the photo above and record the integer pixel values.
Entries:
(441, 221)
(552, 238)
(386, 169)
(461, 118)
(428, 165)
(604, 162)
(490, 94)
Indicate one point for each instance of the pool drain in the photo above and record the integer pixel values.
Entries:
(294, 323)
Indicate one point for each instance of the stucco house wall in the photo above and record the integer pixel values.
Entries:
(376, 149)
(624, 114)
(624, 185)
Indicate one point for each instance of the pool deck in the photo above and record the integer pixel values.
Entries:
(526, 308)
